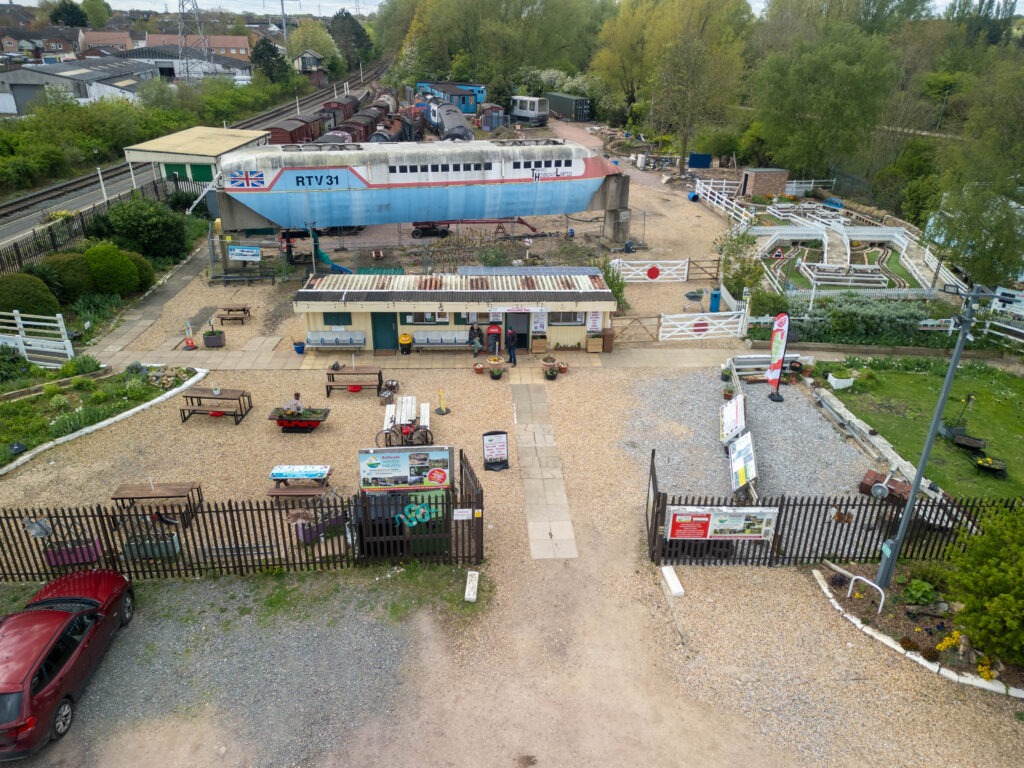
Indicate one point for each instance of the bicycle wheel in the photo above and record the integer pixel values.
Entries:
(423, 436)
(384, 438)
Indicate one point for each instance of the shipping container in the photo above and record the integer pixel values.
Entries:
(568, 107)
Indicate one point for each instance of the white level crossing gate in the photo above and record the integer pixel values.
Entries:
(39, 339)
(709, 325)
(653, 271)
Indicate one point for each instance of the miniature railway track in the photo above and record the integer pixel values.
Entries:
(114, 173)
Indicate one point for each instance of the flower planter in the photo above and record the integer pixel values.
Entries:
(212, 340)
(727, 394)
(839, 383)
(595, 344)
(152, 549)
(562, 367)
(547, 361)
(478, 367)
(299, 346)
(73, 553)
(551, 374)
(538, 345)
(306, 421)
(497, 373)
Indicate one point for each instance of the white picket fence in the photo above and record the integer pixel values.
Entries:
(709, 325)
(653, 271)
(40, 339)
(801, 187)
(713, 195)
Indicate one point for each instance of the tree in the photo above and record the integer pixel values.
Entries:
(267, 58)
(820, 101)
(626, 55)
(312, 36)
(350, 37)
(68, 14)
(98, 12)
(700, 67)
(988, 578)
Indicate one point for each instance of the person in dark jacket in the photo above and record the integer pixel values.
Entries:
(476, 339)
(510, 346)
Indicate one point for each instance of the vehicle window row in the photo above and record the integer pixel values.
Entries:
(441, 168)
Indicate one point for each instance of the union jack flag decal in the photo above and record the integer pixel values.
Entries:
(246, 180)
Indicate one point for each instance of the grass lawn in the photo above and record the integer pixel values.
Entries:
(900, 404)
(898, 269)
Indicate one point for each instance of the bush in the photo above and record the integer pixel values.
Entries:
(764, 302)
(112, 270)
(13, 366)
(149, 228)
(147, 275)
(75, 277)
(988, 578)
(26, 294)
(47, 274)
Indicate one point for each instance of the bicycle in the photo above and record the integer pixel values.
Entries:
(404, 434)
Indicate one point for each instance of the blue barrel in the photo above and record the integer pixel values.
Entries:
(693, 197)
(716, 300)
(572, 233)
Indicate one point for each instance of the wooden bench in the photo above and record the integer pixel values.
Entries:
(441, 340)
(343, 378)
(238, 317)
(335, 340)
(191, 410)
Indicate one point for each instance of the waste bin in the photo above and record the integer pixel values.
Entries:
(607, 339)
(493, 339)
(405, 343)
(693, 197)
(716, 300)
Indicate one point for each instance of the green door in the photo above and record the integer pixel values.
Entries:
(385, 330)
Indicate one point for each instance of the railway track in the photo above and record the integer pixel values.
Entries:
(34, 200)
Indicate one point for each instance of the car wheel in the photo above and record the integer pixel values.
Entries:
(417, 234)
(63, 718)
(127, 608)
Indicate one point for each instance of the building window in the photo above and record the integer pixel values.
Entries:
(468, 318)
(392, 169)
(332, 319)
(565, 318)
(233, 50)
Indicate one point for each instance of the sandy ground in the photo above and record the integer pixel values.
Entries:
(575, 662)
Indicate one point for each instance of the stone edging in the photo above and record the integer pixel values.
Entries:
(200, 375)
(964, 678)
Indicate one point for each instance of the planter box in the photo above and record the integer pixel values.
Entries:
(167, 549)
(839, 383)
(74, 553)
(595, 344)
(308, 533)
(538, 345)
(211, 340)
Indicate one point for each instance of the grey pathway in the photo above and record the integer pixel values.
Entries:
(548, 521)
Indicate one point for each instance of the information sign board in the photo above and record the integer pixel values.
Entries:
(495, 451)
(741, 461)
(415, 468)
(732, 418)
(244, 253)
(722, 523)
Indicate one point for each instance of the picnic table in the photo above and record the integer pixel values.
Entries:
(347, 376)
(191, 494)
(299, 421)
(406, 422)
(284, 474)
(236, 312)
(216, 402)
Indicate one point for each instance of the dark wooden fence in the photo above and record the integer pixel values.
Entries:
(811, 529)
(242, 537)
(59, 235)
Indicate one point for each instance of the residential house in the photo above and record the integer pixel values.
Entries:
(232, 46)
(103, 38)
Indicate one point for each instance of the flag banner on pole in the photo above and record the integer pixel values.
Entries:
(780, 332)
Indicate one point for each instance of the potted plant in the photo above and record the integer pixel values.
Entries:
(728, 392)
(551, 372)
(299, 346)
(548, 360)
(726, 373)
(497, 373)
(562, 367)
(213, 337)
(478, 367)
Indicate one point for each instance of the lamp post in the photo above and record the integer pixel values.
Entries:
(891, 547)
(99, 172)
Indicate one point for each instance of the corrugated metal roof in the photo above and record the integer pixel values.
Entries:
(475, 270)
(558, 282)
(452, 297)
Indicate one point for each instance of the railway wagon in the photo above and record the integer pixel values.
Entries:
(342, 108)
(315, 123)
(532, 110)
(376, 183)
(290, 131)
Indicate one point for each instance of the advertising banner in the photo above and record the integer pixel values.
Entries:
(539, 322)
(780, 332)
(732, 419)
(244, 253)
(741, 461)
(495, 451)
(415, 468)
(732, 523)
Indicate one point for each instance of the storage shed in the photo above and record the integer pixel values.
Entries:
(764, 182)
(569, 107)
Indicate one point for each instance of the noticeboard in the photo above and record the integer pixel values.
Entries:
(721, 523)
(244, 253)
(415, 468)
(732, 419)
(495, 451)
(741, 461)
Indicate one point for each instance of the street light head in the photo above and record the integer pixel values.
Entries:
(952, 288)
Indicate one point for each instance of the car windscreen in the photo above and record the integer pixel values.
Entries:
(10, 707)
(69, 604)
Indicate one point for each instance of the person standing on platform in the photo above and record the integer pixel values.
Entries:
(510, 346)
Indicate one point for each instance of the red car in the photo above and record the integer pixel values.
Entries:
(48, 651)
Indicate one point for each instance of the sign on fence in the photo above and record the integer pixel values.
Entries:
(245, 253)
(741, 461)
(722, 523)
(416, 468)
